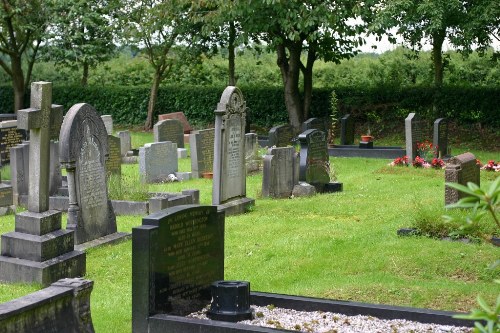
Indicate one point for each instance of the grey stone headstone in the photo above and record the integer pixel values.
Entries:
(280, 136)
(280, 173)
(413, 134)
(347, 130)
(108, 123)
(157, 160)
(440, 137)
(169, 130)
(251, 152)
(114, 161)
(55, 176)
(315, 123)
(314, 159)
(460, 169)
(83, 152)
(125, 142)
(202, 151)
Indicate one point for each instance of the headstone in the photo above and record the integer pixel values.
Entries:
(83, 152)
(55, 176)
(169, 130)
(6, 195)
(178, 116)
(314, 160)
(252, 160)
(10, 136)
(108, 123)
(347, 130)
(413, 134)
(315, 123)
(176, 254)
(280, 136)
(460, 169)
(114, 161)
(125, 142)
(157, 161)
(280, 172)
(201, 144)
(39, 250)
(229, 182)
(440, 137)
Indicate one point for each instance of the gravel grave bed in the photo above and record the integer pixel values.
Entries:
(328, 322)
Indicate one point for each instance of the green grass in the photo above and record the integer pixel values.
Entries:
(339, 246)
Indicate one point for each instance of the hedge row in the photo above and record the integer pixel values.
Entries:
(379, 105)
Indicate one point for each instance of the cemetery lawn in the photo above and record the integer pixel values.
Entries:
(338, 246)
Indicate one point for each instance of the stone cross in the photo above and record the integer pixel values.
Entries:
(40, 119)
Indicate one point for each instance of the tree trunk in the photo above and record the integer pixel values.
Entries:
(290, 73)
(17, 82)
(307, 72)
(85, 75)
(437, 57)
(152, 100)
(232, 37)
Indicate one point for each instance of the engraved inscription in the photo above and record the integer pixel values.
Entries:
(91, 175)
(9, 137)
(206, 150)
(113, 164)
(234, 167)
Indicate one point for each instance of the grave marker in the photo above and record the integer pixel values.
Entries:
(202, 151)
(460, 169)
(280, 172)
(280, 136)
(114, 161)
(413, 134)
(440, 137)
(314, 162)
(157, 161)
(108, 123)
(178, 116)
(251, 152)
(125, 142)
(314, 123)
(10, 136)
(347, 130)
(169, 130)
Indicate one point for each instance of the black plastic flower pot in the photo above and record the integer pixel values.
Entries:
(230, 301)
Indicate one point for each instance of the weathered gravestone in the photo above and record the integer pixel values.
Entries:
(314, 162)
(460, 169)
(314, 123)
(202, 151)
(39, 250)
(6, 198)
(280, 172)
(176, 254)
(413, 134)
(440, 137)
(347, 130)
(252, 160)
(114, 161)
(169, 130)
(108, 123)
(125, 142)
(229, 182)
(10, 136)
(178, 116)
(157, 161)
(83, 152)
(280, 136)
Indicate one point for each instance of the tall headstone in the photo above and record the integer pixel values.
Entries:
(125, 142)
(280, 136)
(114, 161)
(108, 123)
(413, 134)
(229, 182)
(347, 130)
(39, 250)
(440, 137)
(314, 160)
(10, 136)
(83, 152)
(55, 176)
(169, 130)
(314, 123)
(460, 169)
(176, 255)
(201, 144)
(157, 161)
(280, 172)
(252, 160)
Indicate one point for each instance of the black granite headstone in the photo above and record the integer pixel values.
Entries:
(440, 137)
(177, 254)
(280, 136)
(314, 123)
(314, 163)
(347, 130)
(9, 137)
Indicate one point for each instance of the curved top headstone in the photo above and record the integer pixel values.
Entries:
(80, 119)
(231, 101)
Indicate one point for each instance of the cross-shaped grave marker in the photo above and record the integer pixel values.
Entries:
(42, 119)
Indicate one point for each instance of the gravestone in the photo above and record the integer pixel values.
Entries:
(280, 136)
(202, 151)
(157, 161)
(413, 134)
(314, 123)
(440, 137)
(314, 162)
(83, 152)
(460, 169)
(178, 116)
(6, 198)
(169, 130)
(39, 250)
(252, 160)
(229, 182)
(125, 142)
(347, 130)
(280, 172)
(114, 161)
(10, 136)
(108, 123)
(176, 254)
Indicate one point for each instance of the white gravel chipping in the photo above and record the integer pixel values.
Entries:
(328, 322)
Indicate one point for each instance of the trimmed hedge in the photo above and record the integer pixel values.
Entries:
(381, 105)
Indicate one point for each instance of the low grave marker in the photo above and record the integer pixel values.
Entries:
(280, 172)
(460, 169)
(280, 136)
(157, 161)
